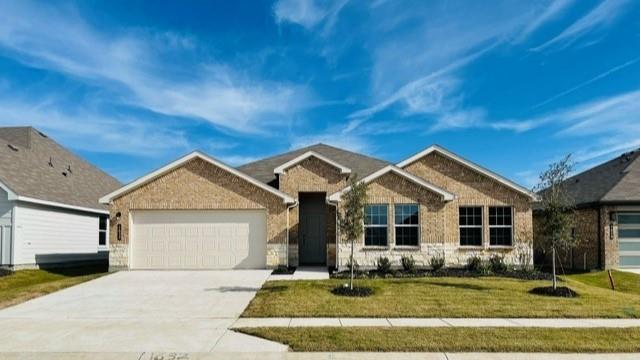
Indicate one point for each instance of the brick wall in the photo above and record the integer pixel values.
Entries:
(439, 220)
(312, 175)
(584, 255)
(199, 185)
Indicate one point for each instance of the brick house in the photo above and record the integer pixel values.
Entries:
(607, 199)
(197, 212)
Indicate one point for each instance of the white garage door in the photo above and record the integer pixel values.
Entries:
(217, 239)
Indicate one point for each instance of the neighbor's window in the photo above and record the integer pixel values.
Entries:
(470, 223)
(406, 224)
(102, 231)
(500, 226)
(375, 225)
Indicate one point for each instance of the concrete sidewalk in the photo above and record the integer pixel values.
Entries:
(313, 356)
(434, 322)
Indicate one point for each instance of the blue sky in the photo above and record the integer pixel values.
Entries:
(512, 85)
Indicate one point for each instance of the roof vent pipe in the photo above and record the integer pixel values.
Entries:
(12, 147)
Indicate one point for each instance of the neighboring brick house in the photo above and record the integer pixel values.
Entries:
(197, 212)
(607, 199)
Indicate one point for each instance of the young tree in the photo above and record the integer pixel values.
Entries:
(352, 217)
(557, 209)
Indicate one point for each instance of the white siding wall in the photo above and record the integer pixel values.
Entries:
(6, 209)
(45, 234)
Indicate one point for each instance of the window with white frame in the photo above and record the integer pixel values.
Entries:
(406, 224)
(470, 225)
(500, 226)
(375, 225)
(102, 231)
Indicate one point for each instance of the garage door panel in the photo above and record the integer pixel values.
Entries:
(629, 239)
(199, 239)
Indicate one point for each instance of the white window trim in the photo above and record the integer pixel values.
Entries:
(481, 226)
(501, 226)
(364, 235)
(395, 240)
(106, 234)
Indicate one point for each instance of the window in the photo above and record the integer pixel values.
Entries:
(102, 231)
(406, 224)
(375, 225)
(500, 226)
(470, 222)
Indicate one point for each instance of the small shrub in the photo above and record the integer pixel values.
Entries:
(356, 266)
(383, 265)
(436, 262)
(408, 264)
(474, 263)
(496, 263)
(283, 270)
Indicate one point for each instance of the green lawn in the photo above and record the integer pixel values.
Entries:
(28, 284)
(625, 281)
(440, 297)
(454, 339)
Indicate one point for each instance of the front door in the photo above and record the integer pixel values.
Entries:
(312, 237)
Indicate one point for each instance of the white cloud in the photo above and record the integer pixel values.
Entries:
(588, 82)
(132, 66)
(600, 17)
(554, 10)
(610, 124)
(84, 130)
(308, 13)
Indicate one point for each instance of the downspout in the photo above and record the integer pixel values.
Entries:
(337, 227)
(600, 238)
(295, 203)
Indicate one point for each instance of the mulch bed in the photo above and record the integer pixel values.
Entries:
(560, 291)
(515, 274)
(355, 292)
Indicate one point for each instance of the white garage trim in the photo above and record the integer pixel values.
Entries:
(198, 239)
(196, 154)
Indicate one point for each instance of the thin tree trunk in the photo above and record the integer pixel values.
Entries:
(352, 266)
(553, 268)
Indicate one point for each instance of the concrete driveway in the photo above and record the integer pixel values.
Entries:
(139, 311)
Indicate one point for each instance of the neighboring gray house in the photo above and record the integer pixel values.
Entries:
(49, 210)
(607, 198)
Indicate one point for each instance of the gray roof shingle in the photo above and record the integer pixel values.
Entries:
(359, 164)
(36, 170)
(617, 180)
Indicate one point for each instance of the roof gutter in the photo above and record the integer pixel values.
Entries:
(57, 204)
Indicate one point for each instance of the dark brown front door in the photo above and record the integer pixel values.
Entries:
(312, 238)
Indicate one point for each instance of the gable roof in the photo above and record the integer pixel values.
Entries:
(281, 169)
(446, 153)
(34, 168)
(359, 164)
(176, 163)
(446, 196)
(614, 181)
